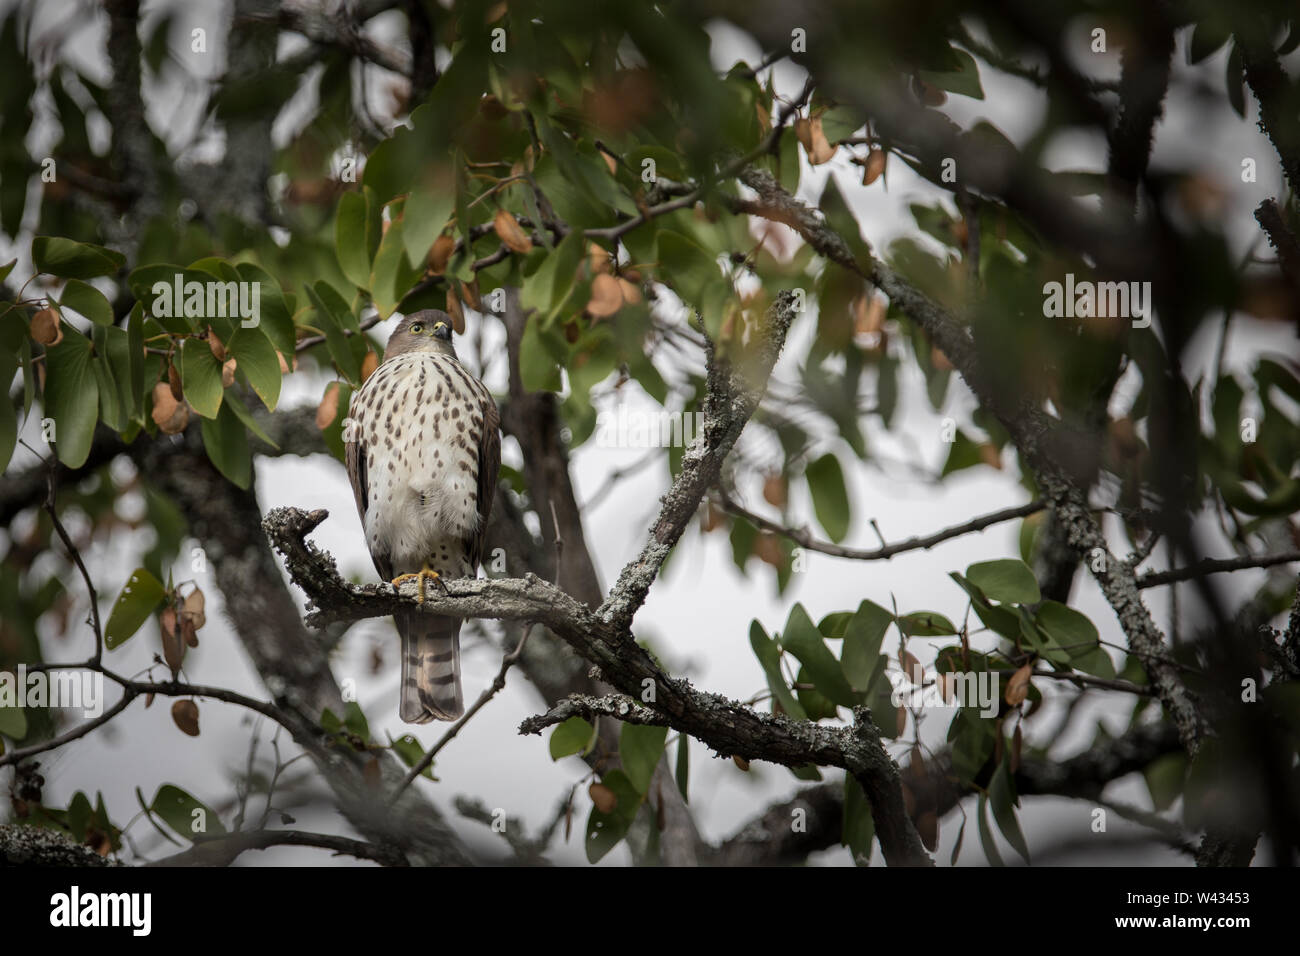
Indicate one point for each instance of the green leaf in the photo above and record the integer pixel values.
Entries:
(256, 358)
(350, 239)
(549, 285)
(769, 658)
(177, 809)
(410, 752)
(986, 833)
(425, 216)
(965, 80)
(1208, 35)
(802, 639)
(13, 722)
(1077, 636)
(683, 771)
(574, 736)
(8, 415)
(227, 446)
(70, 397)
(1006, 580)
(858, 828)
(236, 405)
(605, 830)
(925, 624)
(1002, 797)
(74, 260)
(964, 453)
(391, 276)
(862, 636)
(840, 218)
(276, 315)
(538, 369)
(1235, 75)
(1164, 777)
(640, 747)
(85, 299)
(333, 316)
(829, 495)
(333, 433)
(201, 377)
(973, 741)
(139, 598)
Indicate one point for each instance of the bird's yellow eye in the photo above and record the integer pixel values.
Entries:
(417, 328)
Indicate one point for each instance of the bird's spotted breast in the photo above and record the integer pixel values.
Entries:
(421, 450)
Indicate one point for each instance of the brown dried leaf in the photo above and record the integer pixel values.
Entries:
(193, 607)
(927, 827)
(284, 366)
(711, 517)
(768, 549)
(947, 686)
(874, 166)
(46, 327)
(228, 373)
(775, 491)
(455, 310)
(741, 762)
(215, 345)
(328, 409)
(598, 259)
(868, 314)
(1124, 437)
(174, 380)
(631, 291)
(148, 700)
(469, 292)
(511, 233)
(990, 455)
(164, 404)
(1018, 685)
(814, 141)
(98, 841)
(911, 666)
(185, 714)
(369, 364)
(440, 254)
(916, 767)
(603, 797)
(172, 642)
(606, 297)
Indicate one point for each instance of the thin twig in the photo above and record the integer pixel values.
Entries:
(802, 537)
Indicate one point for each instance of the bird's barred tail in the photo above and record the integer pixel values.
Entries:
(430, 667)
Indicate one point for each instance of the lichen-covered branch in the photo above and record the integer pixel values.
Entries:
(727, 726)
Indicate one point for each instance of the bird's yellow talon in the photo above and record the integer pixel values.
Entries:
(421, 575)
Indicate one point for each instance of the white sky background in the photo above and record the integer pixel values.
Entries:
(698, 614)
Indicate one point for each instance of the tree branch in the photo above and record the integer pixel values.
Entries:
(222, 850)
(727, 726)
(804, 538)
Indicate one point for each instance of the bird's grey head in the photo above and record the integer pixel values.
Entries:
(428, 330)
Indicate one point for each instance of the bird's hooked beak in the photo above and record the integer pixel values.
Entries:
(441, 330)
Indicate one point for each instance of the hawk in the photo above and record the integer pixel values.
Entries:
(423, 450)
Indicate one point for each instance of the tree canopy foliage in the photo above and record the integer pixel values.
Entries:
(606, 208)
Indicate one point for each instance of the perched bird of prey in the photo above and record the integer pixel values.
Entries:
(423, 449)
